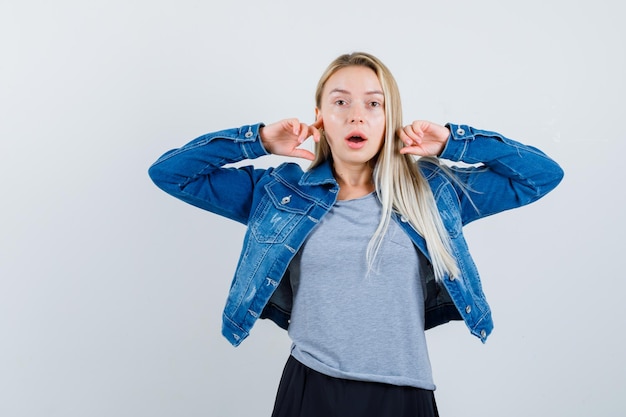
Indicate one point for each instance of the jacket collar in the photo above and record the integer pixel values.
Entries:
(322, 174)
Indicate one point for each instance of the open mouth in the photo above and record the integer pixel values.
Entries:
(356, 139)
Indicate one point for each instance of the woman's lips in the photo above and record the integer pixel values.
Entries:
(355, 142)
(356, 139)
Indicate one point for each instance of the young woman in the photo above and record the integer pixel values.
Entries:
(361, 253)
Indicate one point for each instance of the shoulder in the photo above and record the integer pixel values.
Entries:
(288, 171)
(428, 166)
(434, 172)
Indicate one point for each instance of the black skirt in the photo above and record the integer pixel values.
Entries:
(304, 392)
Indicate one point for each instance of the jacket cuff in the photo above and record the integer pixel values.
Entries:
(250, 140)
(460, 136)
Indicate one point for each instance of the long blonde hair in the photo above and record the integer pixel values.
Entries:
(400, 186)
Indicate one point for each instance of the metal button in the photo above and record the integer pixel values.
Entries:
(403, 219)
(285, 200)
(483, 333)
(248, 134)
(460, 131)
(468, 309)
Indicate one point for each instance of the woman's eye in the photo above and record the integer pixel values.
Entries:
(340, 102)
(375, 104)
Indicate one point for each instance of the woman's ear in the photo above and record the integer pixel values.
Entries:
(318, 114)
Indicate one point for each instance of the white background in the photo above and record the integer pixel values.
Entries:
(111, 291)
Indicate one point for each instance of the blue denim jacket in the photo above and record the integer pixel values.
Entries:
(282, 205)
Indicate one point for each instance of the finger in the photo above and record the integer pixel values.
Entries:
(295, 126)
(304, 133)
(308, 131)
(317, 126)
(419, 127)
(303, 153)
(318, 123)
(316, 135)
(413, 150)
(409, 136)
(312, 131)
(404, 137)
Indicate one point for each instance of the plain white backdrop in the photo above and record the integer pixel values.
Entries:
(111, 291)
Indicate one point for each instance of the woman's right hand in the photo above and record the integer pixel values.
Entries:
(284, 137)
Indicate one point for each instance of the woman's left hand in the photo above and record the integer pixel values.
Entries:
(423, 138)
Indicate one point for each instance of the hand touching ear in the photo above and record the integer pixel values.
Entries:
(423, 138)
(284, 137)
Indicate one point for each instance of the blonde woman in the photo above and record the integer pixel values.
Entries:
(358, 255)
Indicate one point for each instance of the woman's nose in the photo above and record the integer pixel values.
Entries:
(356, 115)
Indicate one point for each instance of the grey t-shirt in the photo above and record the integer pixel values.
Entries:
(349, 323)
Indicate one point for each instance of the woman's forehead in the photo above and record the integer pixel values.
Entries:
(353, 80)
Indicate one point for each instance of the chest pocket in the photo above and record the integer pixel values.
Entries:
(448, 205)
(280, 211)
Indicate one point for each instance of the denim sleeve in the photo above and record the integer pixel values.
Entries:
(195, 174)
(505, 174)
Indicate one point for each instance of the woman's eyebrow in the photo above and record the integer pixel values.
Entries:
(342, 91)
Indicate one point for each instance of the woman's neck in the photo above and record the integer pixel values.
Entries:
(354, 182)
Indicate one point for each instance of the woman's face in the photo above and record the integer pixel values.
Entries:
(353, 112)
